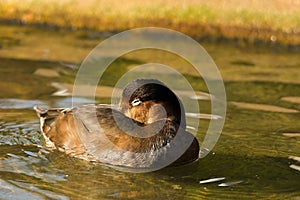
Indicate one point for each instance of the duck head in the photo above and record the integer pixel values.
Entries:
(149, 100)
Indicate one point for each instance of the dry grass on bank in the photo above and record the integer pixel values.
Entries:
(268, 20)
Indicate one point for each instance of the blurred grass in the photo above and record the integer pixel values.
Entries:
(270, 20)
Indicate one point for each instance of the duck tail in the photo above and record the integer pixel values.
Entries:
(49, 113)
(47, 118)
(40, 111)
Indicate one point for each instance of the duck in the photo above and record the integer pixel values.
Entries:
(146, 130)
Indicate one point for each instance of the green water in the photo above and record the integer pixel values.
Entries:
(253, 153)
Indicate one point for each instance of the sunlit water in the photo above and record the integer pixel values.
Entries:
(255, 158)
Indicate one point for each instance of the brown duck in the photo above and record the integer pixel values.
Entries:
(147, 130)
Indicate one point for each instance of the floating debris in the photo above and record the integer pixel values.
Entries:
(191, 128)
(69, 65)
(291, 134)
(66, 89)
(201, 96)
(195, 95)
(211, 180)
(291, 99)
(204, 151)
(263, 107)
(176, 187)
(228, 184)
(62, 91)
(296, 158)
(295, 167)
(203, 116)
(46, 72)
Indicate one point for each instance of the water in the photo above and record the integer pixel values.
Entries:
(256, 156)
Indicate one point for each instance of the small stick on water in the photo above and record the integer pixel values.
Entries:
(211, 180)
(230, 183)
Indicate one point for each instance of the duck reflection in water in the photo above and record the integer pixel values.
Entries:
(147, 130)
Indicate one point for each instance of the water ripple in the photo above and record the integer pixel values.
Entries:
(18, 103)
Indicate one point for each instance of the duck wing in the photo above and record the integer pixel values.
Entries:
(116, 139)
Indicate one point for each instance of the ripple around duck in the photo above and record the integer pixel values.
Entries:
(30, 161)
(20, 134)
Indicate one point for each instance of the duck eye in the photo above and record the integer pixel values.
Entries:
(136, 102)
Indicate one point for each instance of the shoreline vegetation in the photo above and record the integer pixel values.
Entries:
(250, 21)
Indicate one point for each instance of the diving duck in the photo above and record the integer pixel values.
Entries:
(146, 130)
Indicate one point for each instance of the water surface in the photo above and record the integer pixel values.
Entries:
(255, 157)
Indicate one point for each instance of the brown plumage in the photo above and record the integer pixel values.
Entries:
(147, 131)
